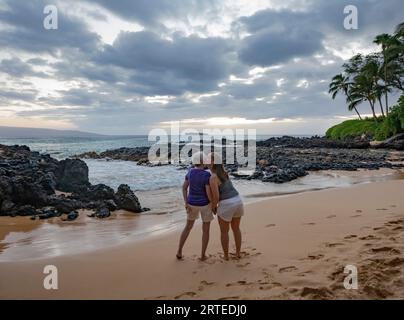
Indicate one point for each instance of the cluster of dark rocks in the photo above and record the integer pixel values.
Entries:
(282, 159)
(29, 180)
(285, 164)
(138, 154)
(393, 143)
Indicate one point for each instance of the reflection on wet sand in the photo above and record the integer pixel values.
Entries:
(22, 238)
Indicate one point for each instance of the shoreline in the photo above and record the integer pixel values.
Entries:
(25, 240)
(312, 236)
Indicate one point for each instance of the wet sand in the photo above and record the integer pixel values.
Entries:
(295, 247)
(23, 239)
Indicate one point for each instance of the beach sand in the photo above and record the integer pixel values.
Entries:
(294, 247)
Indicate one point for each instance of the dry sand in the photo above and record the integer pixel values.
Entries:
(294, 247)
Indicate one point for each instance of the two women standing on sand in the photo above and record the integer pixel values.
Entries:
(206, 194)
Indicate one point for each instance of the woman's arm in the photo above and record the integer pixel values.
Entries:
(185, 186)
(214, 188)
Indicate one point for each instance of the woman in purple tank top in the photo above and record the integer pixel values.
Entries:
(197, 198)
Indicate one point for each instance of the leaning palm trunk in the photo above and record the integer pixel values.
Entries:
(373, 109)
(381, 106)
(357, 112)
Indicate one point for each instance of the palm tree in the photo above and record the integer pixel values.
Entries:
(340, 83)
(371, 72)
(363, 90)
(400, 29)
(372, 77)
(385, 41)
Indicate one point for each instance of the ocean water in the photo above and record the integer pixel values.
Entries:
(111, 173)
(63, 147)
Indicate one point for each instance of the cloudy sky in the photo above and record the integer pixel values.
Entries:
(126, 66)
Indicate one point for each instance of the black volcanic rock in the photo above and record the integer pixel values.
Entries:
(28, 181)
(126, 199)
(313, 142)
(98, 192)
(73, 175)
(396, 142)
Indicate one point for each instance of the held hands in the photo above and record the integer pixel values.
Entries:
(214, 208)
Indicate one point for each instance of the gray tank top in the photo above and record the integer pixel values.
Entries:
(227, 190)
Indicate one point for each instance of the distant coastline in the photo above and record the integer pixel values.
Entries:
(22, 132)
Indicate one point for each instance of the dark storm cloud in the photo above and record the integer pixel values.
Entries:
(26, 31)
(169, 67)
(278, 36)
(17, 68)
(271, 47)
(149, 13)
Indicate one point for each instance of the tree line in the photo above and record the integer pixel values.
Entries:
(374, 77)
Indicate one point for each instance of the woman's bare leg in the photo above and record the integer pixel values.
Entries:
(224, 237)
(205, 239)
(184, 236)
(235, 226)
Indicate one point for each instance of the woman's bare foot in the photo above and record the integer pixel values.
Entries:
(179, 256)
(203, 258)
(225, 257)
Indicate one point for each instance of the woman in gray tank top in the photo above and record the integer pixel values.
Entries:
(227, 203)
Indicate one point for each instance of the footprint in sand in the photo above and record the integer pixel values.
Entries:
(241, 265)
(333, 245)
(229, 298)
(331, 216)
(206, 283)
(381, 209)
(351, 236)
(315, 256)
(185, 294)
(394, 262)
(369, 237)
(358, 211)
(386, 249)
(393, 206)
(399, 221)
(309, 224)
(270, 225)
(267, 287)
(287, 269)
(356, 216)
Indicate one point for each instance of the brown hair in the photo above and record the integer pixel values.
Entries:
(220, 171)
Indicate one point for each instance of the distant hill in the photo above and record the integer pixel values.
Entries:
(16, 132)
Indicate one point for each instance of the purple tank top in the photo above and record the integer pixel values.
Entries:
(198, 179)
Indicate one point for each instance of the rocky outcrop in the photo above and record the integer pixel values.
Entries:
(127, 154)
(126, 199)
(283, 164)
(28, 181)
(314, 142)
(396, 143)
(73, 175)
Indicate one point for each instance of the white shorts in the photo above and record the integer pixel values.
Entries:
(230, 208)
(205, 212)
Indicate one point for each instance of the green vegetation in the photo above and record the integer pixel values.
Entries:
(380, 129)
(393, 124)
(352, 129)
(372, 78)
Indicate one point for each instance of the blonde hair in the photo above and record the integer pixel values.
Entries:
(198, 158)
